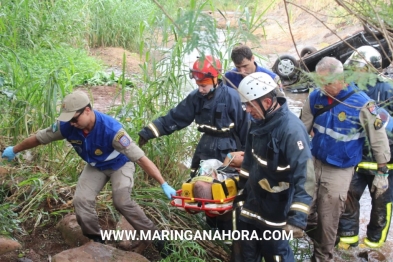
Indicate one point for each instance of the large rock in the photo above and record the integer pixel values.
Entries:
(96, 252)
(137, 246)
(71, 231)
(8, 245)
(372, 256)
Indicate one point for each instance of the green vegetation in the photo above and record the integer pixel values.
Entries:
(44, 56)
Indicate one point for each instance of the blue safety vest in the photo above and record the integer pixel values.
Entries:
(96, 148)
(338, 135)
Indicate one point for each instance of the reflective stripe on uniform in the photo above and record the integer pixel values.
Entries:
(350, 240)
(372, 165)
(250, 214)
(298, 206)
(338, 136)
(385, 230)
(264, 163)
(244, 173)
(154, 129)
(224, 129)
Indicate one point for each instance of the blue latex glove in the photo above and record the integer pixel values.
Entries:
(9, 153)
(168, 190)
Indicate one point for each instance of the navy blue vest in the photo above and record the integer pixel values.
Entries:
(96, 149)
(338, 135)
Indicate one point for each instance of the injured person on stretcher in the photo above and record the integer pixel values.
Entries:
(216, 180)
(213, 189)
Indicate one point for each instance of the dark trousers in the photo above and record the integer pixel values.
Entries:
(349, 221)
(271, 250)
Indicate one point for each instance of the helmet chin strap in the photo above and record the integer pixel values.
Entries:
(270, 109)
(212, 89)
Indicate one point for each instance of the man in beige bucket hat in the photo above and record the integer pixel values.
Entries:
(110, 154)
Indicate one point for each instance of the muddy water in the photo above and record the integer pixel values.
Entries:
(295, 103)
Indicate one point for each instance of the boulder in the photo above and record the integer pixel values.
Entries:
(372, 255)
(71, 231)
(96, 252)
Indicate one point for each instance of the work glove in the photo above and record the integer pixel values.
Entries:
(296, 231)
(380, 184)
(142, 141)
(9, 153)
(168, 190)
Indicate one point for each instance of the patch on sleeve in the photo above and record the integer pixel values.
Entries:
(124, 141)
(55, 127)
(119, 136)
(378, 124)
(300, 145)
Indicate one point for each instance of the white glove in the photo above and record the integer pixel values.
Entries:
(297, 231)
(380, 184)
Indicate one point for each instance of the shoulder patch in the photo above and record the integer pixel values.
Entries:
(124, 141)
(300, 145)
(119, 135)
(378, 124)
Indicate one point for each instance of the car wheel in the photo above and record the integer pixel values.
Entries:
(307, 51)
(286, 66)
(371, 30)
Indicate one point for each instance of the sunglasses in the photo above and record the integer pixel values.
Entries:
(198, 75)
(75, 119)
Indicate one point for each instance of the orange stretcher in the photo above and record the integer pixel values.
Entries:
(211, 207)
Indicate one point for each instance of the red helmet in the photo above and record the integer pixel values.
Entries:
(207, 66)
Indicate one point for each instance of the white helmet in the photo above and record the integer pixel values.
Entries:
(365, 56)
(255, 85)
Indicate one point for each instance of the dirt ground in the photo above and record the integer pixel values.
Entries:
(44, 242)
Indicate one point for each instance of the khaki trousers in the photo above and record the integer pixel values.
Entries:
(332, 185)
(91, 182)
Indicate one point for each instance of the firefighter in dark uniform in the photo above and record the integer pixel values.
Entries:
(366, 62)
(217, 112)
(276, 173)
(109, 153)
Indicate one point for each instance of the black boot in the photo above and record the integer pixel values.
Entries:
(163, 247)
(99, 240)
(96, 238)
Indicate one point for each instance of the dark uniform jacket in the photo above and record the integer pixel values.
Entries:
(278, 188)
(221, 118)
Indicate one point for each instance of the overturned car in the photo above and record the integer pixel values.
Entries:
(291, 69)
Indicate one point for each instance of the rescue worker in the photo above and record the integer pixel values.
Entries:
(366, 61)
(110, 154)
(276, 173)
(245, 64)
(218, 114)
(244, 61)
(341, 117)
